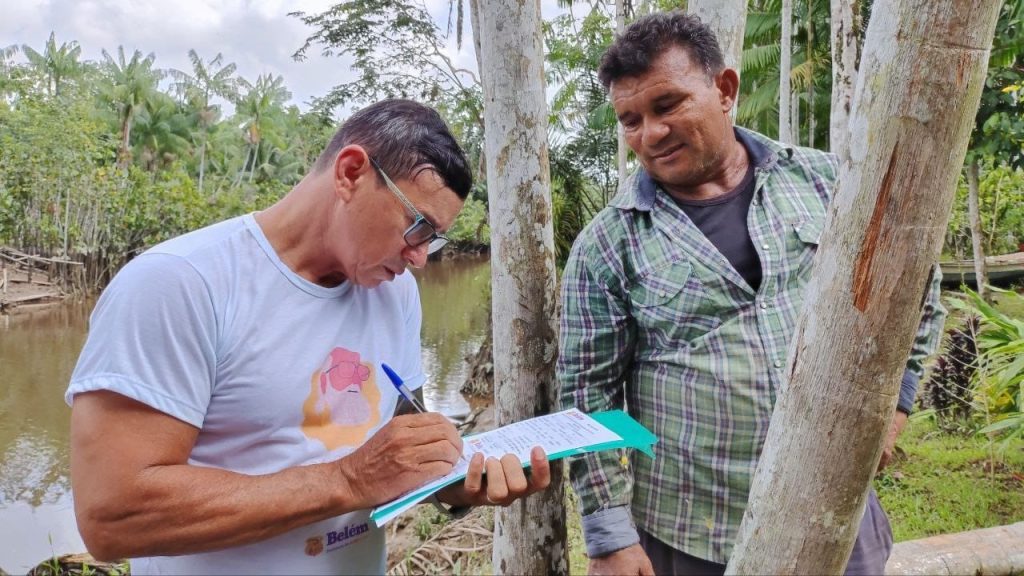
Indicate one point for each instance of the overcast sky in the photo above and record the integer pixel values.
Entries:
(257, 35)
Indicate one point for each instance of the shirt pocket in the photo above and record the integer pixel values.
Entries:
(671, 306)
(803, 245)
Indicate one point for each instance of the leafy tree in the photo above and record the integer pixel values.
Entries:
(161, 131)
(259, 110)
(130, 83)
(208, 79)
(56, 64)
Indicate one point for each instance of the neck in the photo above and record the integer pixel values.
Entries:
(720, 179)
(296, 227)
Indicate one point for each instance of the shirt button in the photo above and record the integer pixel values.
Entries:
(764, 305)
(765, 246)
(778, 364)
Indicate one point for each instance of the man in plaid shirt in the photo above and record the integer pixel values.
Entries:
(679, 303)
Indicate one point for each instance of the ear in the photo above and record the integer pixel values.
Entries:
(351, 165)
(728, 83)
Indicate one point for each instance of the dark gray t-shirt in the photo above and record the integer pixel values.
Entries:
(723, 221)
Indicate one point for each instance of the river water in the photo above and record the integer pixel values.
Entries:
(38, 351)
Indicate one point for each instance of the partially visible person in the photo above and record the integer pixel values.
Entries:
(229, 411)
(679, 303)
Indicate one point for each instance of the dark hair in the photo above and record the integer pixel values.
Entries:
(632, 53)
(401, 135)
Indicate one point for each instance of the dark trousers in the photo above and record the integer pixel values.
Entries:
(870, 551)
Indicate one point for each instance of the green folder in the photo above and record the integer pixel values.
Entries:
(633, 434)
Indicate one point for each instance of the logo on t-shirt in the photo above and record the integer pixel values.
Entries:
(336, 539)
(343, 405)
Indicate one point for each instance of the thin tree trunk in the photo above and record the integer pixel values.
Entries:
(917, 93)
(529, 535)
(621, 151)
(785, 65)
(202, 164)
(124, 155)
(810, 64)
(728, 20)
(845, 56)
(794, 118)
(977, 237)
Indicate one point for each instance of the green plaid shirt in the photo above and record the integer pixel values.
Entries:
(656, 319)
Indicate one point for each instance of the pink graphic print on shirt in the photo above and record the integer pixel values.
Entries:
(343, 405)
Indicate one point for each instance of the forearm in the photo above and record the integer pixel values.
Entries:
(177, 509)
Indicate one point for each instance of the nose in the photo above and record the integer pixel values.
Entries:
(654, 131)
(416, 257)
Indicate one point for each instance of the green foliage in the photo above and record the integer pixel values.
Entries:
(944, 483)
(998, 382)
(471, 228)
(999, 123)
(1001, 207)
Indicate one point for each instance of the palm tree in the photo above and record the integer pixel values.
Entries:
(57, 64)
(6, 70)
(162, 131)
(130, 84)
(208, 79)
(258, 109)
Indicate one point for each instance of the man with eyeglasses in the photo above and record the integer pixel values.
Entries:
(229, 410)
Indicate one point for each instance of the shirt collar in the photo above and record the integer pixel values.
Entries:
(639, 190)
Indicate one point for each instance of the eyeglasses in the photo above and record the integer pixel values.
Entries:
(421, 231)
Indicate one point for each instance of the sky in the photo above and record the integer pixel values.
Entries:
(257, 35)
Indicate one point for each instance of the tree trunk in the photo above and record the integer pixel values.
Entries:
(529, 535)
(728, 20)
(785, 59)
(917, 93)
(622, 152)
(990, 551)
(845, 55)
(124, 155)
(202, 164)
(810, 85)
(974, 213)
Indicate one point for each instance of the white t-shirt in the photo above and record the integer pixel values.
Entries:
(214, 329)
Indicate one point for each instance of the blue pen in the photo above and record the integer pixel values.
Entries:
(404, 391)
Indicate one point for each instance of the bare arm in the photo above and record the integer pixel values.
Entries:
(135, 494)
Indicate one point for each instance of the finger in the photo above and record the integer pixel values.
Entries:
(440, 450)
(419, 435)
(646, 568)
(540, 470)
(497, 491)
(515, 476)
(474, 481)
(423, 419)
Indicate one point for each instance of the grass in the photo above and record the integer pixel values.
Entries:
(945, 483)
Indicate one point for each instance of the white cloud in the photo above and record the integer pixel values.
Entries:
(257, 35)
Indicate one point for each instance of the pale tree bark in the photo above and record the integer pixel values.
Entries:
(917, 93)
(622, 152)
(810, 85)
(995, 551)
(728, 20)
(785, 66)
(845, 55)
(974, 214)
(529, 535)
